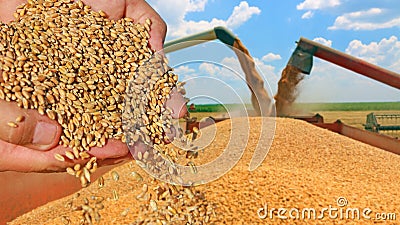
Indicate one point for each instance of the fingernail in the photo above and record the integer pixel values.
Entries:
(44, 133)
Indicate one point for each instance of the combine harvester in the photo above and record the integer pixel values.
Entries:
(383, 123)
(302, 59)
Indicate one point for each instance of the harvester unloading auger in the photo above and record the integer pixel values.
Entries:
(302, 59)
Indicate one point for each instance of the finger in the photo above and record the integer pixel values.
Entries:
(157, 35)
(137, 147)
(23, 159)
(177, 103)
(8, 8)
(113, 149)
(140, 11)
(27, 127)
(170, 135)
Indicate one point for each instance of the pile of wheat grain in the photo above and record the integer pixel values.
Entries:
(307, 167)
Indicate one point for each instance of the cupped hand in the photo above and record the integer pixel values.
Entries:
(31, 145)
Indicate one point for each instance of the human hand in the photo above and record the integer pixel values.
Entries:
(31, 146)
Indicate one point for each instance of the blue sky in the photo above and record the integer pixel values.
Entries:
(368, 29)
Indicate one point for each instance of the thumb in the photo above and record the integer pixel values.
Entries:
(26, 127)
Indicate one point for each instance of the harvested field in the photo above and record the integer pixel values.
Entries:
(307, 167)
(353, 118)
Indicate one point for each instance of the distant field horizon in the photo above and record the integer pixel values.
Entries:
(318, 106)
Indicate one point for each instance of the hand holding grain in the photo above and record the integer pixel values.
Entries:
(30, 140)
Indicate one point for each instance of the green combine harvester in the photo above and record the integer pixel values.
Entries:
(383, 123)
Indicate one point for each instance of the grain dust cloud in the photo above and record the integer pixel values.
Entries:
(287, 90)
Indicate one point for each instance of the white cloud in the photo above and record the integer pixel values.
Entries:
(323, 41)
(364, 20)
(184, 70)
(365, 13)
(209, 69)
(271, 57)
(197, 5)
(189, 27)
(317, 4)
(385, 53)
(228, 69)
(312, 5)
(174, 13)
(307, 15)
(241, 14)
